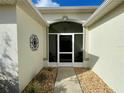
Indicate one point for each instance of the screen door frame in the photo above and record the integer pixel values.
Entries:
(67, 64)
(59, 53)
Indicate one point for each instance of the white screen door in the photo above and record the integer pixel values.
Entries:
(65, 49)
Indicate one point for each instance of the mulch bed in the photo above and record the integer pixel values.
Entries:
(90, 82)
(44, 82)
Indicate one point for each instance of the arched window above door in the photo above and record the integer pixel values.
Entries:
(65, 27)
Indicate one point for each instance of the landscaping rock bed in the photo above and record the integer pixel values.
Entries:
(44, 82)
(90, 82)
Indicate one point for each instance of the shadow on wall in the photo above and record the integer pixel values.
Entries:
(7, 14)
(8, 50)
(8, 86)
(92, 59)
(8, 65)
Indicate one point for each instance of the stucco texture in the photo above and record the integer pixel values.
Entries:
(106, 44)
(8, 50)
(30, 62)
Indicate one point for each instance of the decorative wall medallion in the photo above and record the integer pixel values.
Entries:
(34, 42)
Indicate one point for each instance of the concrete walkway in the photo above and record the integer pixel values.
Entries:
(67, 81)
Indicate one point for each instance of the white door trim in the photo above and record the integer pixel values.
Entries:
(66, 64)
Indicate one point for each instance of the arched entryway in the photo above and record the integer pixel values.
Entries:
(65, 44)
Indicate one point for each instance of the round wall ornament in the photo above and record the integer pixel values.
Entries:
(34, 42)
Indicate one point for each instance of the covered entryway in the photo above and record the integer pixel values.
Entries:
(65, 44)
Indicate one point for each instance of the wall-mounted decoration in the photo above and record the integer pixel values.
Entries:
(34, 42)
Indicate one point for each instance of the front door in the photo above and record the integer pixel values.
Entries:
(65, 50)
(66, 44)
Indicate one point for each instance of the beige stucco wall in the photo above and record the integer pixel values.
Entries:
(30, 62)
(107, 48)
(8, 49)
